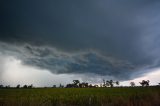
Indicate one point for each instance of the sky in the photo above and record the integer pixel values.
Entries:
(56, 41)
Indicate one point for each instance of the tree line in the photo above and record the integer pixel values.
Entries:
(78, 84)
(18, 86)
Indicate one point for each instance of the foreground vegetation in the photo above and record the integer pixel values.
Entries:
(131, 96)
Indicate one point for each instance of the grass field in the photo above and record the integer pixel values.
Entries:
(137, 96)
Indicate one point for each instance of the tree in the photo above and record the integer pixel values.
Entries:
(132, 84)
(1, 86)
(90, 86)
(104, 83)
(144, 83)
(25, 86)
(96, 86)
(30, 86)
(110, 83)
(83, 85)
(18, 86)
(117, 82)
(61, 86)
(76, 83)
(70, 86)
(8, 86)
(54, 86)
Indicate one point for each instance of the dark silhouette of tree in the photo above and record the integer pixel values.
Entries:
(117, 82)
(76, 83)
(83, 85)
(25, 86)
(1, 86)
(54, 86)
(8, 86)
(96, 86)
(90, 86)
(18, 86)
(144, 83)
(109, 83)
(30, 86)
(132, 84)
(61, 86)
(69, 86)
(86, 85)
(104, 83)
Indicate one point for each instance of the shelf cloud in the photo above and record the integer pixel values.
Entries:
(117, 38)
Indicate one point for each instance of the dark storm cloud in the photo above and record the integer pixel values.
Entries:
(124, 34)
(86, 62)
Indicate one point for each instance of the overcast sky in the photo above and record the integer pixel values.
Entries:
(55, 41)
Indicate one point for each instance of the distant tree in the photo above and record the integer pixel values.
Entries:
(132, 84)
(96, 86)
(25, 86)
(117, 82)
(18, 86)
(86, 85)
(144, 83)
(110, 83)
(54, 86)
(30, 86)
(104, 83)
(69, 86)
(83, 85)
(8, 86)
(61, 86)
(76, 83)
(1, 86)
(90, 86)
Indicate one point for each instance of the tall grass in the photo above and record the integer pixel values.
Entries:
(81, 97)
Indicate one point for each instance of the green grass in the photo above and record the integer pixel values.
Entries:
(81, 97)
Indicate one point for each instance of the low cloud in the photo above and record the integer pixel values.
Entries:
(119, 39)
(84, 62)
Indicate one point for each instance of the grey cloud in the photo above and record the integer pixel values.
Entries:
(1, 65)
(59, 62)
(102, 37)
